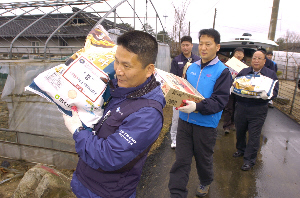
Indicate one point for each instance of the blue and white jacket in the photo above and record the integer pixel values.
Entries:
(213, 83)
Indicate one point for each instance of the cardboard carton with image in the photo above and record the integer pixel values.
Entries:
(176, 89)
(235, 66)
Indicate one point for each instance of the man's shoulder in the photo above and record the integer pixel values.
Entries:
(178, 57)
(195, 57)
(269, 73)
(245, 71)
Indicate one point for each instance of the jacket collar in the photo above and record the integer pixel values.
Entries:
(263, 70)
(212, 62)
(183, 57)
(133, 92)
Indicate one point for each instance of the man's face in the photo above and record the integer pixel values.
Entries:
(258, 61)
(207, 48)
(186, 48)
(269, 56)
(129, 70)
(239, 55)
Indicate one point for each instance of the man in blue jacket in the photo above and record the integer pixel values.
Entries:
(112, 156)
(197, 133)
(177, 66)
(269, 56)
(250, 113)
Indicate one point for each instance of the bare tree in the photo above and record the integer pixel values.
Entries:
(289, 42)
(180, 27)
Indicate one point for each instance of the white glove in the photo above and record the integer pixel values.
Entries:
(264, 95)
(72, 123)
(231, 89)
(189, 108)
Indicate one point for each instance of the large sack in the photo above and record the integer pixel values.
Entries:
(252, 86)
(82, 80)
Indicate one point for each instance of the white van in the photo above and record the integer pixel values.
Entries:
(248, 42)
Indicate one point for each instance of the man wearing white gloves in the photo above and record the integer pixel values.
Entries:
(250, 113)
(111, 157)
(197, 133)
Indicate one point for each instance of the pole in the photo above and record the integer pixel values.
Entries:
(215, 18)
(189, 28)
(273, 22)
(115, 19)
(134, 14)
(146, 12)
(156, 25)
(165, 20)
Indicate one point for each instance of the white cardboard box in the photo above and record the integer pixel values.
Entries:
(176, 89)
(235, 66)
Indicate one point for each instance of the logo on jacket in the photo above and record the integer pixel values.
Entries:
(193, 73)
(118, 110)
(127, 137)
(208, 75)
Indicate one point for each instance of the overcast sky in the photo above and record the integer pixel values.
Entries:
(234, 17)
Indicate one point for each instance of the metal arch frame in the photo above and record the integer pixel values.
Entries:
(157, 16)
(47, 3)
(11, 45)
(20, 16)
(115, 12)
(61, 25)
(137, 16)
(109, 12)
(10, 9)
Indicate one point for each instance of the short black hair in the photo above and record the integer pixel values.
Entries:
(186, 38)
(269, 52)
(238, 49)
(143, 44)
(263, 50)
(211, 33)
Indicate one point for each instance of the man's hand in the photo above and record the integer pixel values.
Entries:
(72, 123)
(189, 107)
(264, 95)
(231, 89)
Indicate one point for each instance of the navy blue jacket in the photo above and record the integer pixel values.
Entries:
(179, 62)
(258, 101)
(270, 64)
(275, 65)
(115, 151)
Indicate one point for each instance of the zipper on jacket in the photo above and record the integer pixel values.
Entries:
(105, 117)
(197, 90)
(103, 120)
(199, 78)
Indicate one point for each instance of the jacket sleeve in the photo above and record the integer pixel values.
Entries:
(136, 133)
(276, 87)
(276, 67)
(220, 96)
(174, 67)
